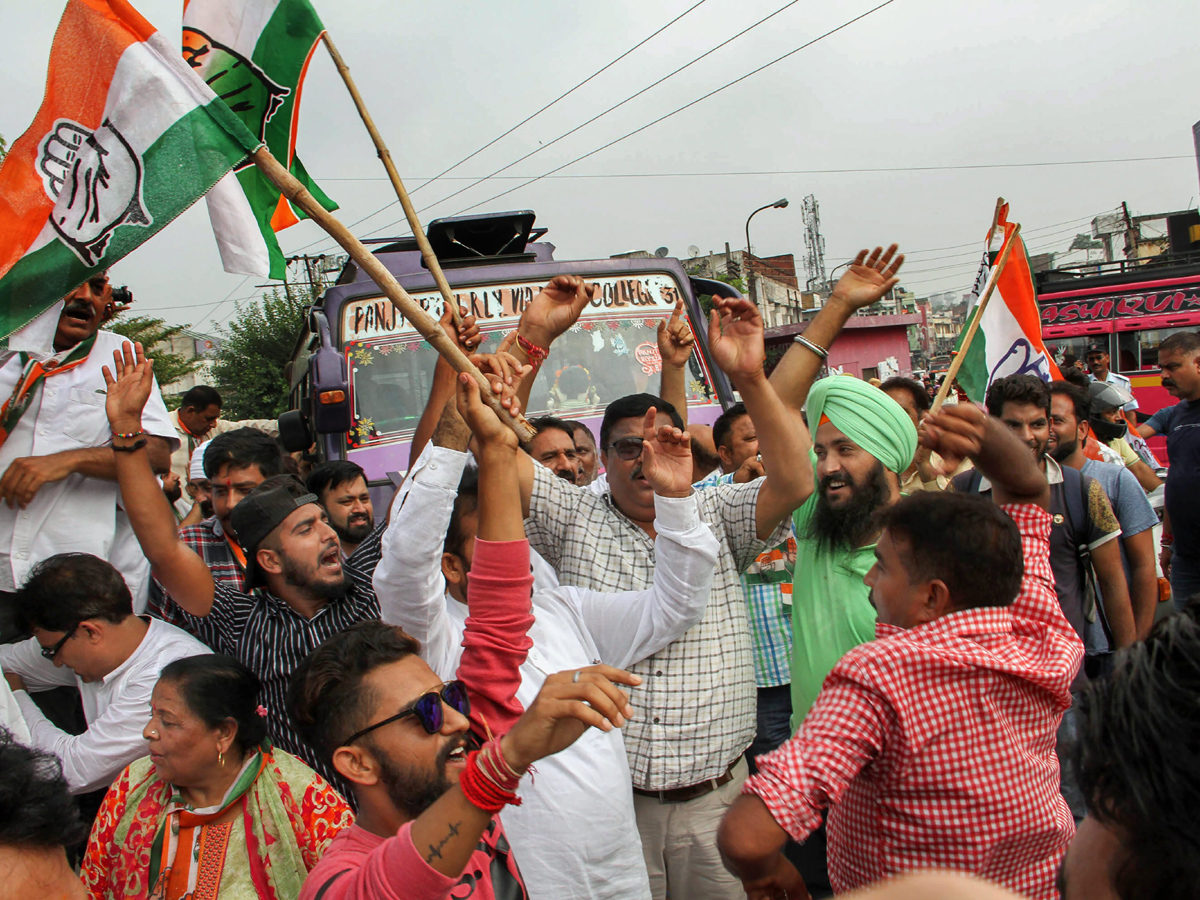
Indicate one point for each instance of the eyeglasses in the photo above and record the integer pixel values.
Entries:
(51, 652)
(627, 448)
(427, 708)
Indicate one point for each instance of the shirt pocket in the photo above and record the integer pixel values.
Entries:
(84, 419)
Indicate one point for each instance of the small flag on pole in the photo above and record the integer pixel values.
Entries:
(126, 139)
(254, 54)
(1009, 339)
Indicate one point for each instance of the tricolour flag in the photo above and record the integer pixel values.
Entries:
(126, 139)
(1009, 339)
(254, 54)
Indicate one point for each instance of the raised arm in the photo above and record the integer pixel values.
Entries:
(408, 579)
(629, 626)
(180, 571)
(964, 430)
(556, 308)
(865, 282)
(735, 337)
(675, 341)
(441, 391)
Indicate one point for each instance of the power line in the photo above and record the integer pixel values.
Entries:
(775, 172)
(680, 109)
(601, 115)
(561, 96)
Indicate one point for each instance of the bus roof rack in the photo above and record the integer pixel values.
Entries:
(479, 237)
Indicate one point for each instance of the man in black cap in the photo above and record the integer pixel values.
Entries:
(297, 594)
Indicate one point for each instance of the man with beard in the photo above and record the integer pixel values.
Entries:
(1069, 430)
(297, 592)
(341, 488)
(57, 476)
(233, 464)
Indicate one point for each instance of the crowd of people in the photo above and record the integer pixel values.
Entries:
(839, 641)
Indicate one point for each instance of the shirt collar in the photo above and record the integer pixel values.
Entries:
(978, 621)
(154, 626)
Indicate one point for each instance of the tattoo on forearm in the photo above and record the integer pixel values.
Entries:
(435, 851)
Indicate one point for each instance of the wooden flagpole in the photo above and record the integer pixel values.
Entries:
(291, 188)
(993, 276)
(410, 213)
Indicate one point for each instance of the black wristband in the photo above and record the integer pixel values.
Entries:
(136, 445)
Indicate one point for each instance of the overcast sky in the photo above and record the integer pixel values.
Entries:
(920, 83)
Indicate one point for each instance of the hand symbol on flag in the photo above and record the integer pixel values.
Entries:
(96, 177)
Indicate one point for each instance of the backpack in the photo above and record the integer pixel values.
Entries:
(1075, 497)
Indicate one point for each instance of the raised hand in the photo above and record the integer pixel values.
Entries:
(566, 706)
(869, 277)
(504, 374)
(675, 338)
(467, 335)
(555, 309)
(130, 389)
(735, 337)
(666, 457)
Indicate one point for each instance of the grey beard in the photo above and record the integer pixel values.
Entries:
(844, 528)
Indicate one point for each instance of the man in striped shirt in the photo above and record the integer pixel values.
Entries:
(298, 593)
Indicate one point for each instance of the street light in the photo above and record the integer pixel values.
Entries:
(778, 204)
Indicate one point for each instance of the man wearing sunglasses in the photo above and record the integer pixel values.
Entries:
(86, 637)
(430, 565)
(699, 697)
(399, 734)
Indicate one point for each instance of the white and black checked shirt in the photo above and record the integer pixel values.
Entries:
(695, 709)
(271, 638)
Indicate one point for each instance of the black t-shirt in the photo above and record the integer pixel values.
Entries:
(1183, 481)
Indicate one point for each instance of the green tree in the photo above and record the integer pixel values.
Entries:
(168, 367)
(3, 148)
(255, 348)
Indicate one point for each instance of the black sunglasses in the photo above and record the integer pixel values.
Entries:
(427, 708)
(627, 448)
(51, 652)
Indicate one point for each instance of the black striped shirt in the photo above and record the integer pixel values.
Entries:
(271, 638)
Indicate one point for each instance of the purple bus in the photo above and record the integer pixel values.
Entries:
(360, 374)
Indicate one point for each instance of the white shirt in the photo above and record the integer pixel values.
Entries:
(11, 719)
(577, 818)
(77, 514)
(117, 707)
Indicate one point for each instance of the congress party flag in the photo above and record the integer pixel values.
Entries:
(254, 54)
(1009, 337)
(126, 139)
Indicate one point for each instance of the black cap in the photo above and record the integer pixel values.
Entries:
(261, 512)
(1096, 348)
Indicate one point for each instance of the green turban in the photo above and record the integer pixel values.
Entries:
(867, 416)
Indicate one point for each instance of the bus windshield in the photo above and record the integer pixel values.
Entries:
(610, 352)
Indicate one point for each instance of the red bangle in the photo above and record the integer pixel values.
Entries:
(535, 353)
(480, 791)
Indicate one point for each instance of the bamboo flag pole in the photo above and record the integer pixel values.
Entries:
(410, 213)
(421, 320)
(956, 364)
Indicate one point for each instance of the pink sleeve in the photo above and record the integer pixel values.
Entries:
(496, 638)
(392, 871)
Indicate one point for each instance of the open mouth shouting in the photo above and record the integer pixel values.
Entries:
(331, 559)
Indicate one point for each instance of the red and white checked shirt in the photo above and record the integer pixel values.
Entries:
(933, 747)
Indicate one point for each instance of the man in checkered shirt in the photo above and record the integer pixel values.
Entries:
(696, 706)
(933, 745)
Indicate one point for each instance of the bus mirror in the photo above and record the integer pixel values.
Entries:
(294, 432)
(331, 412)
